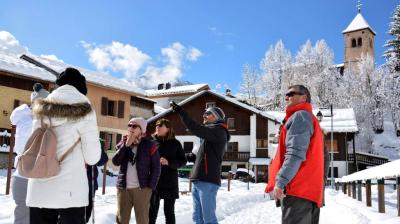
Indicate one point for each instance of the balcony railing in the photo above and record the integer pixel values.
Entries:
(367, 159)
(237, 156)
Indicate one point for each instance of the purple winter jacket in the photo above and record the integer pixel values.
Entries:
(147, 163)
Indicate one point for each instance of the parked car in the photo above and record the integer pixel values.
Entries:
(184, 171)
(244, 175)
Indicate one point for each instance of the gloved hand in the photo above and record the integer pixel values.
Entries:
(175, 107)
(190, 157)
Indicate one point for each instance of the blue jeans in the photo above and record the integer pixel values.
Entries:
(204, 202)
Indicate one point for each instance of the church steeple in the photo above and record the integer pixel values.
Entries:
(359, 39)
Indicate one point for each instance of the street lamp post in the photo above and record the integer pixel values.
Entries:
(332, 182)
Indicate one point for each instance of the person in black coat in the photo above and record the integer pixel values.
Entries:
(172, 157)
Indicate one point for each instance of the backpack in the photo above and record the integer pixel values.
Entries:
(39, 159)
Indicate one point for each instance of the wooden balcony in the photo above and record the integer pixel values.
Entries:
(367, 159)
(237, 156)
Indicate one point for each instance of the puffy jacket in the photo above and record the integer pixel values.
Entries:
(213, 144)
(170, 149)
(308, 181)
(72, 117)
(22, 118)
(147, 163)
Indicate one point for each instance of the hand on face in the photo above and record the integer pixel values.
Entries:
(134, 135)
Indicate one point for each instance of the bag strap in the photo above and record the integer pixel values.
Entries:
(69, 150)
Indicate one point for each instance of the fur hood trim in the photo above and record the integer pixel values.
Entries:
(60, 110)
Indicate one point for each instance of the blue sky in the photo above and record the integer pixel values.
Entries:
(220, 35)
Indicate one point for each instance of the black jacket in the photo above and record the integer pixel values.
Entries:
(171, 150)
(213, 144)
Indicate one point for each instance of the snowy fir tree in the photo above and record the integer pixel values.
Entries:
(249, 88)
(392, 55)
(274, 66)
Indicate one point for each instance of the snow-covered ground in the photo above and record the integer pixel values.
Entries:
(237, 206)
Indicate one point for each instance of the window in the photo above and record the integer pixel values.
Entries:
(328, 145)
(226, 168)
(241, 166)
(359, 42)
(233, 147)
(353, 42)
(335, 172)
(107, 140)
(231, 123)
(188, 146)
(262, 143)
(112, 108)
(210, 104)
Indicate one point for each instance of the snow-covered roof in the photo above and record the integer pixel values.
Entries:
(387, 170)
(177, 90)
(344, 120)
(146, 99)
(259, 161)
(226, 98)
(13, 64)
(93, 77)
(158, 109)
(358, 23)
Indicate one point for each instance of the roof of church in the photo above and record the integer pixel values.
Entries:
(358, 23)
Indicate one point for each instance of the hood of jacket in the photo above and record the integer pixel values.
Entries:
(63, 104)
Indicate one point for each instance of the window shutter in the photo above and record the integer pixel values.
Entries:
(104, 105)
(121, 107)
(16, 103)
(119, 137)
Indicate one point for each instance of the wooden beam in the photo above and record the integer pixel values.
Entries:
(353, 185)
(368, 193)
(381, 195)
(39, 64)
(344, 187)
(10, 159)
(349, 189)
(398, 195)
(359, 190)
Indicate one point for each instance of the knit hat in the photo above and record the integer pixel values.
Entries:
(217, 112)
(140, 121)
(38, 92)
(73, 77)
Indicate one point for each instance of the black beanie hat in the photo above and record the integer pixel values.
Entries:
(73, 77)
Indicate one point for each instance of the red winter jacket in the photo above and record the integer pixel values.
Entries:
(308, 183)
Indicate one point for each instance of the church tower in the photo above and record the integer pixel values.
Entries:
(359, 38)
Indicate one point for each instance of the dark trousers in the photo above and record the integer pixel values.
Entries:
(169, 209)
(55, 216)
(297, 210)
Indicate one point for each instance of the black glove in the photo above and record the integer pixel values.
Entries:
(190, 157)
(175, 107)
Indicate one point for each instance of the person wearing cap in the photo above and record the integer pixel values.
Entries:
(139, 171)
(21, 117)
(206, 171)
(63, 198)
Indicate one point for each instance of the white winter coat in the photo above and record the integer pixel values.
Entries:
(72, 117)
(21, 117)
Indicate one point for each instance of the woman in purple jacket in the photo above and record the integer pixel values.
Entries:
(139, 163)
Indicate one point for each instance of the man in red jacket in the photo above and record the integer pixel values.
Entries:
(297, 172)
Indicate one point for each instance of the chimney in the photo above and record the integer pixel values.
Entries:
(228, 92)
(160, 86)
(168, 85)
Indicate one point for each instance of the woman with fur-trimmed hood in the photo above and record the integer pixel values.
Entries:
(63, 198)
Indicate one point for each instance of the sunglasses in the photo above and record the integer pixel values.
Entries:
(292, 93)
(207, 113)
(133, 126)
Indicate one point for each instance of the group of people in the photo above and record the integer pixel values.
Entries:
(149, 163)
